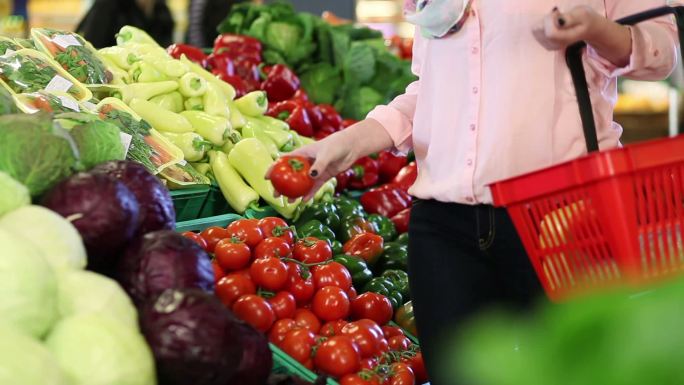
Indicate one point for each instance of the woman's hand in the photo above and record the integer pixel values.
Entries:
(560, 29)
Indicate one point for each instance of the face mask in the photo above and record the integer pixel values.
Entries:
(437, 18)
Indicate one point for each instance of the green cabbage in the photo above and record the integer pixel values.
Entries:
(98, 142)
(28, 286)
(83, 292)
(12, 194)
(96, 350)
(24, 361)
(34, 152)
(59, 241)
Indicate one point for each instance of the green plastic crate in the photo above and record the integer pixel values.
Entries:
(215, 204)
(188, 202)
(197, 225)
(265, 211)
(284, 364)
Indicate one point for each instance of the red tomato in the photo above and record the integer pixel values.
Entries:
(390, 331)
(307, 319)
(212, 235)
(418, 366)
(338, 356)
(372, 306)
(351, 293)
(246, 230)
(312, 250)
(277, 227)
(290, 176)
(369, 363)
(269, 273)
(367, 335)
(273, 247)
(283, 304)
(280, 328)
(195, 237)
(298, 344)
(333, 328)
(218, 271)
(331, 303)
(232, 254)
(403, 375)
(399, 343)
(332, 274)
(366, 246)
(233, 286)
(302, 288)
(360, 379)
(255, 311)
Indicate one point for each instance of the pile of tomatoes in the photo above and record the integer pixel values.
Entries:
(291, 289)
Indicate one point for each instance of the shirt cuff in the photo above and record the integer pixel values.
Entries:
(397, 125)
(608, 69)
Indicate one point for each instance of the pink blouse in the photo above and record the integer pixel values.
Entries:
(492, 103)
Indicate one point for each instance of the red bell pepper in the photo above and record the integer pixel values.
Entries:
(349, 122)
(331, 116)
(281, 83)
(365, 173)
(248, 70)
(193, 53)
(324, 131)
(401, 220)
(343, 180)
(390, 165)
(406, 177)
(238, 46)
(235, 81)
(300, 96)
(312, 110)
(386, 200)
(220, 64)
(295, 115)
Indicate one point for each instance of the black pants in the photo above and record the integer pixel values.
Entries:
(463, 259)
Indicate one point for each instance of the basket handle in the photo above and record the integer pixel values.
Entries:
(573, 58)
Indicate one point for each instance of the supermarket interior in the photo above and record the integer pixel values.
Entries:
(276, 192)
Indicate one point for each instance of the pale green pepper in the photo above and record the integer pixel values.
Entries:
(172, 101)
(202, 168)
(215, 103)
(213, 128)
(306, 140)
(192, 85)
(144, 91)
(327, 191)
(251, 159)
(279, 137)
(194, 104)
(121, 57)
(253, 104)
(239, 195)
(227, 89)
(169, 67)
(130, 34)
(160, 118)
(119, 75)
(194, 147)
(273, 123)
(296, 140)
(251, 130)
(236, 118)
(143, 72)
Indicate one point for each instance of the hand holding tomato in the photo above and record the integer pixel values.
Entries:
(290, 176)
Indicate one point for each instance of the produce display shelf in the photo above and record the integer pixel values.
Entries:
(197, 225)
(263, 212)
(189, 202)
(284, 364)
(215, 204)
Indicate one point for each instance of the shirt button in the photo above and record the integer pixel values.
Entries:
(475, 90)
(474, 50)
(472, 127)
(470, 200)
(470, 162)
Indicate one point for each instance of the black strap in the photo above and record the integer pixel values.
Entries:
(573, 58)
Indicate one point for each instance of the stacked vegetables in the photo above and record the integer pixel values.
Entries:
(288, 284)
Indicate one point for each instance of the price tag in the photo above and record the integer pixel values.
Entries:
(9, 51)
(90, 106)
(65, 41)
(126, 141)
(183, 162)
(58, 84)
(69, 103)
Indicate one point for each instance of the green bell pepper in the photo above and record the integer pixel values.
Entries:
(358, 269)
(347, 207)
(384, 286)
(395, 257)
(400, 280)
(353, 225)
(314, 228)
(386, 228)
(402, 239)
(336, 247)
(326, 212)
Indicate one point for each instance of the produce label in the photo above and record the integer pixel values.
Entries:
(9, 51)
(65, 41)
(69, 103)
(90, 106)
(183, 162)
(126, 141)
(58, 84)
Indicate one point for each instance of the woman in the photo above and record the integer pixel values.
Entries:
(494, 100)
(106, 17)
(204, 17)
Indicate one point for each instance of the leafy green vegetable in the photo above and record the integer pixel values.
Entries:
(322, 80)
(6, 44)
(26, 74)
(359, 64)
(98, 142)
(29, 303)
(94, 349)
(35, 152)
(7, 105)
(12, 194)
(25, 361)
(139, 150)
(358, 102)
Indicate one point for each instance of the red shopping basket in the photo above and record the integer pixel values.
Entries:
(608, 219)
